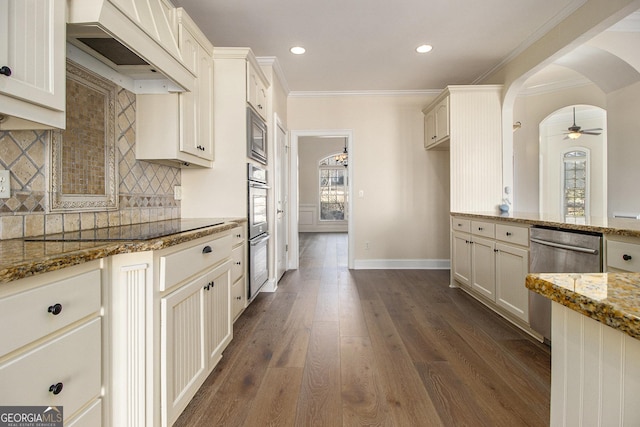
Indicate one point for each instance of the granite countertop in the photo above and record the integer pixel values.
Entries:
(23, 258)
(610, 298)
(612, 226)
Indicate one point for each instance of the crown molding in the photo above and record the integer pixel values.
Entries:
(555, 87)
(328, 94)
(272, 61)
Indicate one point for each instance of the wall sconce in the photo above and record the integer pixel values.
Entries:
(516, 126)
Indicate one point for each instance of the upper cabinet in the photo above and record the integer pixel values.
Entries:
(177, 128)
(32, 61)
(467, 121)
(257, 86)
(436, 125)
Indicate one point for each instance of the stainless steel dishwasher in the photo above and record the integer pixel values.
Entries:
(559, 251)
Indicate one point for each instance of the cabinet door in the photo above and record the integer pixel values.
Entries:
(483, 274)
(238, 298)
(461, 249)
(183, 357)
(32, 47)
(205, 141)
(256, 91)
(512, 266)
(429, 128)
(442, 119)
(218, 312)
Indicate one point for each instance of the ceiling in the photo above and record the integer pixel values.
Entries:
(370, 45)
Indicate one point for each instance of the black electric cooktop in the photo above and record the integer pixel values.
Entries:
(143, 231)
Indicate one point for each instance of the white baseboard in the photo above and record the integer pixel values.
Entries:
(270, 286)
(402, 264)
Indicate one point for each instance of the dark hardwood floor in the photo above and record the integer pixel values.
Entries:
(334, 347)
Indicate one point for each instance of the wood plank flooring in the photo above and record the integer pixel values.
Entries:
(334, 347)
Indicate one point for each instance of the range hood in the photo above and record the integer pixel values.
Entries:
(137, 39)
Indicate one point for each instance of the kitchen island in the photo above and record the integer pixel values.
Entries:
(595, 357)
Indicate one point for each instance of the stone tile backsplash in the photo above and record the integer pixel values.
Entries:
(145, 189)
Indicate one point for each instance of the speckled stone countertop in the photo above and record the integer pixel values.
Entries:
(22, 258)
(610, 298)
(611, 226)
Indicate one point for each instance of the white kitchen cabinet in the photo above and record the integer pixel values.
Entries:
(51, 342)
(512, 267)
(623, 254)
(491, 261)
(436, 124)
(196, 327)
(170, 322)
(461, 258)
(32, 57)
(483, 274)
(467, 121)
(178, 128)
(238, 273)
(257, 90)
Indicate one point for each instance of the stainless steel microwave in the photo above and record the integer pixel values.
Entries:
(256, 137)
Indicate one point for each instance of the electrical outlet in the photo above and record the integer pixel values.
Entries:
(5, 184)
(366, 245)
(361, 194)
(177, 192)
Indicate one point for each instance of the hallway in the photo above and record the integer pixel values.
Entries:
(334, 347)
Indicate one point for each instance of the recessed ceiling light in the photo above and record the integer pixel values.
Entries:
(297, 50)
(424, 48)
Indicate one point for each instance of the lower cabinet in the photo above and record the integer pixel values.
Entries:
(512, 267)
(491, 261)
(196, 327)
(170, 321)
(51, 343)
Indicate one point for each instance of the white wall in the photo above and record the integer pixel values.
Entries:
(531, 111)
(623, 122)
(404, 211)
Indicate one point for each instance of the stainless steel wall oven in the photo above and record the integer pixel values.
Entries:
(258, 229)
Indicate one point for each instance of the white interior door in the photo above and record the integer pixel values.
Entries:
(282, 192)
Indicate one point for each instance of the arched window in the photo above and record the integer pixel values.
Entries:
(333, 187)
(575, 183)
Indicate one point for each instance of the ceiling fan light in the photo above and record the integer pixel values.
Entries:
(574, 135)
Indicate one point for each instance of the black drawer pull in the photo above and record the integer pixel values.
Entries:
(56, 388)
(238, 298)
(55, 309)
(5, 71)
(238, 263)
(206, 250)
(508, 233)
(626, 257)
(480, 228)
(239, 236)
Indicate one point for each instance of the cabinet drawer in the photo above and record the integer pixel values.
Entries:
(72, 360)
(90, 417)
(32, 312)
(459, 224)
(623, 256)
(513, 234)
(178, 266)
(486, 229)
(237, 268)
(237, 235)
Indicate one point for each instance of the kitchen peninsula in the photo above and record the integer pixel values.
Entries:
(595, 323)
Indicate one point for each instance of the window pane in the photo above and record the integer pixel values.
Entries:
(333, 194)
(575, 184)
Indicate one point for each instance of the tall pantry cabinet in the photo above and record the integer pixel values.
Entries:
(222, 190)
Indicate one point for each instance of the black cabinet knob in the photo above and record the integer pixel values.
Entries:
(56, 388)
(238, 298)
(480, 228)
(206, 250)
(626, 257)
(55, 309)
(496, 250)
(508, 233)
(5, 71)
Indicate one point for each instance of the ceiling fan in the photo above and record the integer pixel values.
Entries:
(575, 130)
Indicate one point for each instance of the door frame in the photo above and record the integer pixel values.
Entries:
(286, 176)
(294, 252)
